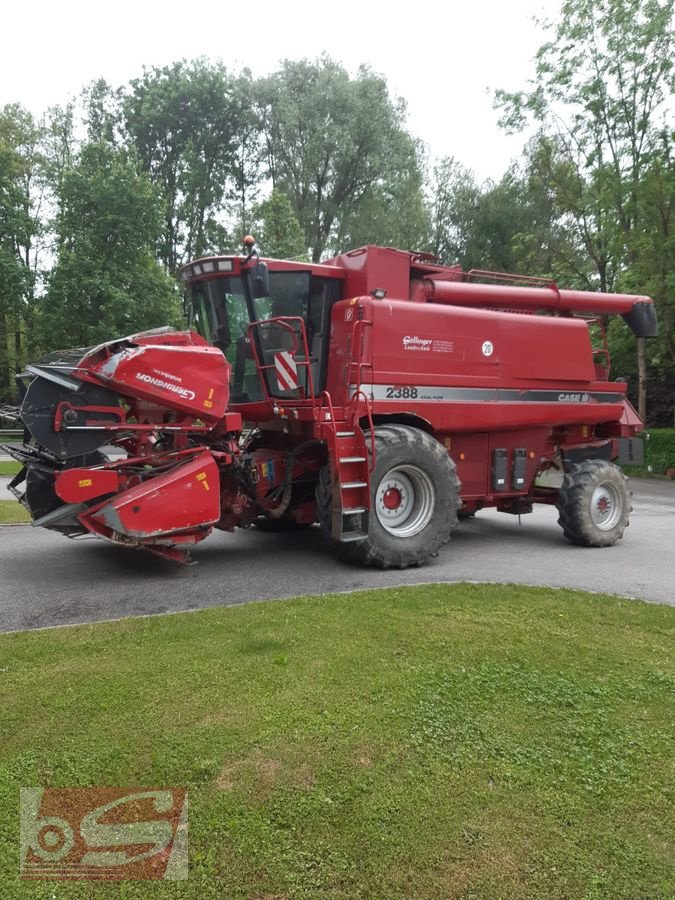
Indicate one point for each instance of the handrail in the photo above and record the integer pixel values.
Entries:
(353, 401)
(371, 424)
(285, 322)
(329, 402)
(357, 330)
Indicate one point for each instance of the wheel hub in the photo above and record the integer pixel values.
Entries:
(605, 506)
(392, 498)
(405, 501)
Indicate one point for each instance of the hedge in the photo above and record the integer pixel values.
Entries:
(659, 450)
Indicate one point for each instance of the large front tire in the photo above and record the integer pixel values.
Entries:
(414, 500)
(594, 504)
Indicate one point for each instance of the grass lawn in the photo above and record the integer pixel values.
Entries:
(12, 511)
(439, 741)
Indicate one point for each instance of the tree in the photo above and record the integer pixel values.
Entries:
(601, 90)
(248, 156)
(328, 140)
(653, 272)
(105, 282)
(102, 107)
(19, 165)
(277, 230)
(393, 211)
(457, 230)
(183, 121)
(501, 226)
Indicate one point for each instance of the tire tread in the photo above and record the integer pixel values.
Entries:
(573, 507)
(378, 551)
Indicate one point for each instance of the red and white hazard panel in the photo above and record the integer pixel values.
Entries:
(287, 371)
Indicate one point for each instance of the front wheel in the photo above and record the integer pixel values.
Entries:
(414, 500)
(594, 504)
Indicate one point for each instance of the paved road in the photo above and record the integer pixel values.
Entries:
(46, 579)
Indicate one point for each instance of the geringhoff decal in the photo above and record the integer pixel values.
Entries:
(166, 385)
(168, 375)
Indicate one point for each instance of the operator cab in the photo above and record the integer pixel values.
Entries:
(288, 305)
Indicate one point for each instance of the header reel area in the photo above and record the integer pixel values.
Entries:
(68, 419)
(161, 409)
(55, 413)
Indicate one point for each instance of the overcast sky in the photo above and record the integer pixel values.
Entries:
(445, 59)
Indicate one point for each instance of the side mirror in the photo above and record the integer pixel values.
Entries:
(260, 280)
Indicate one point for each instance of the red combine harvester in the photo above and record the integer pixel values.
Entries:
(383, 395)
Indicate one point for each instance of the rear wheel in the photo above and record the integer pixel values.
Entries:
(414, 500)
(594, 504)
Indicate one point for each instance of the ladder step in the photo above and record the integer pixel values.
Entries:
(353, 510)
(353, 536)
(345, 433)
(352, 459)
(353, 484)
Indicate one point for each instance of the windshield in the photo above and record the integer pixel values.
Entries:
(222, 310)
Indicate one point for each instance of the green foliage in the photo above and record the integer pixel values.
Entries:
(276, 228)
(329, 138)
(18, 229)
(183, 121)
(602, 90)
(652, 251)
(105, 282)
(660, 450)
(477, 226)
(508, 226)
(103, 113)
(393, 211)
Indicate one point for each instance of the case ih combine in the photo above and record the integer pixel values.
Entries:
(385, 394)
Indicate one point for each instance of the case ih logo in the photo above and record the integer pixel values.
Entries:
(574, 398)
(104, 834)
(412, 342)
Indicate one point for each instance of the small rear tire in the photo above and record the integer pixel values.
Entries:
(594, 504)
